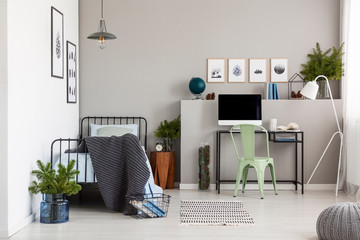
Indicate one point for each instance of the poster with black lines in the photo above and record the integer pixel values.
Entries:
(71, 72)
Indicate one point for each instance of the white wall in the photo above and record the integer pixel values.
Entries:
(37, 108)
(162, 44)
(3, 118)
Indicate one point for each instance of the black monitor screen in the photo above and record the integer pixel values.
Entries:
(239, 107)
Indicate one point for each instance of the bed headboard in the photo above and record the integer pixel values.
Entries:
(101, 120)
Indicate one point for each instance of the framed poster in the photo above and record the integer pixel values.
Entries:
(257, 70)
(236, 70)
(215, 70)
(57, 43)
(71, 72)
(279, 69)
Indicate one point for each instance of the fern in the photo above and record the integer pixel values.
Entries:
(169, 131)
(53, 182)
(321, 63)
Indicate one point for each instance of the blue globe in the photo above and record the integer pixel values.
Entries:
(197, 85)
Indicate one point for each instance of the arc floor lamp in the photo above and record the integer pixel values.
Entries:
(310, 90)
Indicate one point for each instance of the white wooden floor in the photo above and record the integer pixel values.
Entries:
(290, 215)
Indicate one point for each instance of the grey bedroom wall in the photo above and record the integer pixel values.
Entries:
(162, 44)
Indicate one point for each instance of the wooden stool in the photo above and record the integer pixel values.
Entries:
(163, 167)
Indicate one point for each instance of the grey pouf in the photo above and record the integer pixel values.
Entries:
(340, 221)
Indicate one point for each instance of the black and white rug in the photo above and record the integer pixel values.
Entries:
(214, 213)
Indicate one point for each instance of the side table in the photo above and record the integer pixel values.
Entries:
(163, 167)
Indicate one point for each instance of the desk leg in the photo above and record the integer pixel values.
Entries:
(217, 162)
(296, 161)
(302, 163)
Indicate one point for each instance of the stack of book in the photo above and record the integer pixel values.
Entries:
(272, 91)
(285, 137)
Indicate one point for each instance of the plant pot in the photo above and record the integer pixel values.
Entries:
(54, 208)
(323, 92)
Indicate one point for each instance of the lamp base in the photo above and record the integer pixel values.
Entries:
(339, 164)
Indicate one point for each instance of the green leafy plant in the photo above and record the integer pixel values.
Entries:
(324, 63)
(52, 182)
(168, 131)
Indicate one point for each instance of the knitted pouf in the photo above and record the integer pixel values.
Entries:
(340, 221)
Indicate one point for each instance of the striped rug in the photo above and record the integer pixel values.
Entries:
(214, 213)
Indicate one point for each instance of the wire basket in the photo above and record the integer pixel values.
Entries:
(151, 206)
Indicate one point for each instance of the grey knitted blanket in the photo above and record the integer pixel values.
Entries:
(120, 167)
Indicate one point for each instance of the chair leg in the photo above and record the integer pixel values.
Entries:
(260, 177)
(238, 178)
(272, 171)
(245, 175)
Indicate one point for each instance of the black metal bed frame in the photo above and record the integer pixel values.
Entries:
(69, 143)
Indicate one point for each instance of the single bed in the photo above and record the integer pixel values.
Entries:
(64, 150)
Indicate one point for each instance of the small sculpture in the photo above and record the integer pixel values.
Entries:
(210, 96)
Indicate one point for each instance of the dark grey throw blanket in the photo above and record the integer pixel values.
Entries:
(120, 167)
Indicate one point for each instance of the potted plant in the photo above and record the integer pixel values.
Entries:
(325, 63)
(168, 131)
(163, 161)
(55, 186)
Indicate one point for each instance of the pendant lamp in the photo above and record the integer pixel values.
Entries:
(102, 35)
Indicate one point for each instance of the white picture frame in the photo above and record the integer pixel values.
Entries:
(279, 70)
(257, 70)
(71, 72)
(57, 43)
(215, 70)
(236, 70)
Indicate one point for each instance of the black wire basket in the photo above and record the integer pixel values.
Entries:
(151, 206)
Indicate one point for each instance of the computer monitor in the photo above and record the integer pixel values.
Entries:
(236, 109)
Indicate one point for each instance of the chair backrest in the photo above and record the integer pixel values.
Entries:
(248, 140)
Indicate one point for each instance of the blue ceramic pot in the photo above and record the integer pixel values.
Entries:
(54, 208)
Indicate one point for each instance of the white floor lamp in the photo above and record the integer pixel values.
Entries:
(310, 90)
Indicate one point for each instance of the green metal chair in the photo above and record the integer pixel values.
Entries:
(249, 160)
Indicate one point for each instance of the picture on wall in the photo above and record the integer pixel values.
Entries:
(236, 70)
(71, 72)
(57, 43)
(279, 69)
(257, 70)
(215, 70)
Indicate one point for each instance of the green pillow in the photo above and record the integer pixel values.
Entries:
(113, 131)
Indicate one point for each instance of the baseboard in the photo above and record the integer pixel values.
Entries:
(23, 223)
(267, 186)
(320, 186)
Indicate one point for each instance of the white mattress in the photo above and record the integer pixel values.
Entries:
(83, 158)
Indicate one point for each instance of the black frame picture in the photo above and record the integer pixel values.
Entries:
(71, 72)
(57, 43)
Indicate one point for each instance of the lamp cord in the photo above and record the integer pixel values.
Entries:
(102, 10)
